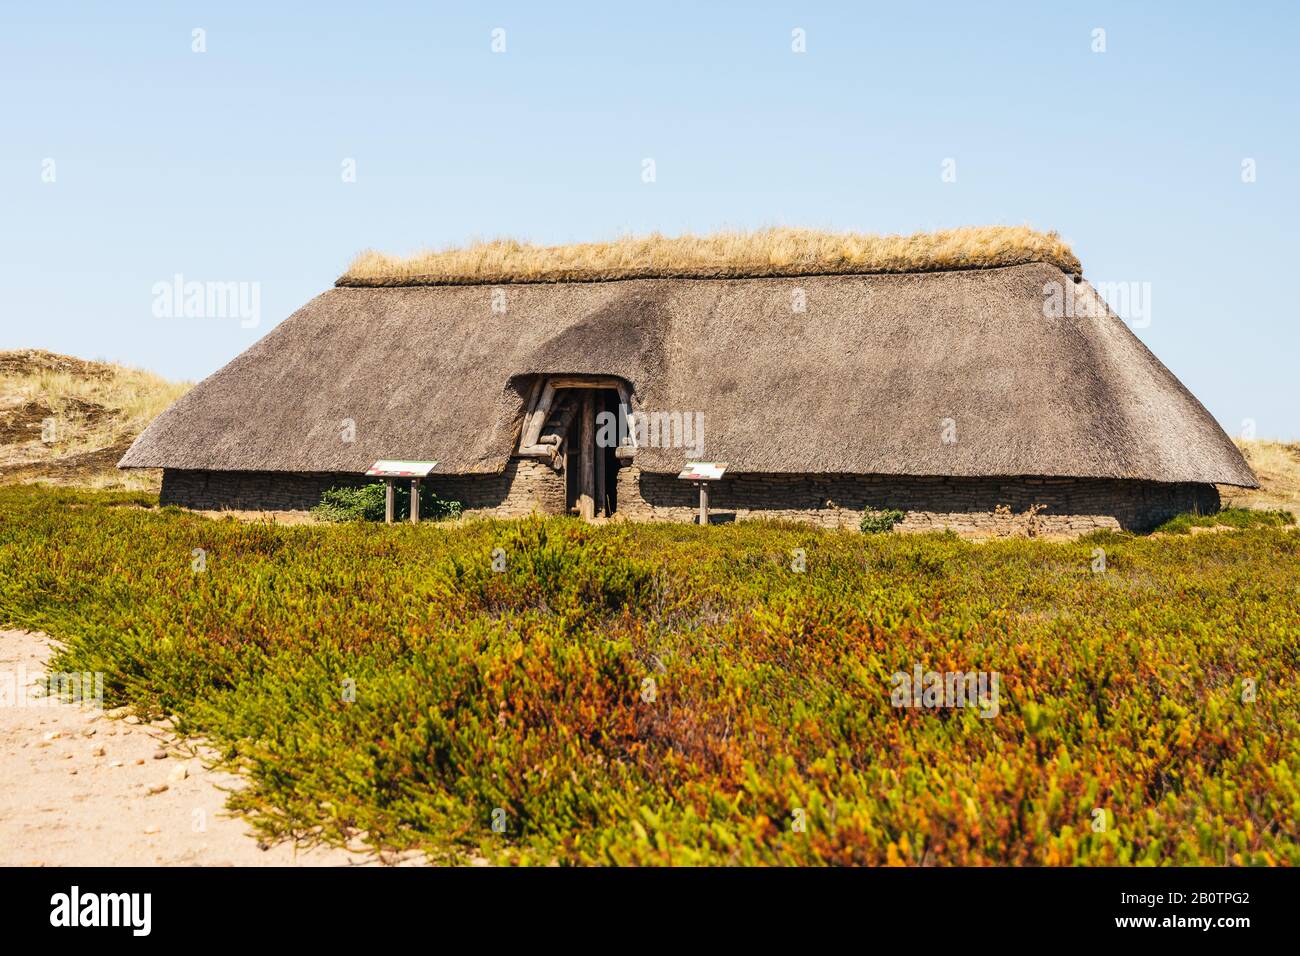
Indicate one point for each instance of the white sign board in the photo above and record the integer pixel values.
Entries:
(703, 470)
(386, 468)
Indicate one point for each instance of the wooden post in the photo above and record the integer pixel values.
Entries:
(599, 452)
(704, 502)
(587, 485)
(388, 501)
(415, 501)
(625, 414)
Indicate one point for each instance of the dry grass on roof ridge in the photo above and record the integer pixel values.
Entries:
(779, 251)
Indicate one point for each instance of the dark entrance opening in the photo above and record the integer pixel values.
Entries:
(591, 462)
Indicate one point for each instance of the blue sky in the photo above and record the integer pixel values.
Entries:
(227, 165)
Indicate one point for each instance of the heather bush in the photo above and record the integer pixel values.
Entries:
(673, 694)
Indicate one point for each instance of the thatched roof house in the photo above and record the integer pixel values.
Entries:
(831, 373)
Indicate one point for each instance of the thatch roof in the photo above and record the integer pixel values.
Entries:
(858, 383)
(720, 255)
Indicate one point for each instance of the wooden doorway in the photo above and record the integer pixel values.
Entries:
(581, 425)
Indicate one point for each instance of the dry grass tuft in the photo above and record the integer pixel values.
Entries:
(68, 421)
(767, 252)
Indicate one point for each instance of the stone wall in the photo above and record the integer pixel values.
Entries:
(966, 505)
(524, 487)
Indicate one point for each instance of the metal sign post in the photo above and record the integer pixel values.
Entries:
(700, 473)
(390, 469)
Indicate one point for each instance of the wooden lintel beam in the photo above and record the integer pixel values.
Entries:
(563, 381)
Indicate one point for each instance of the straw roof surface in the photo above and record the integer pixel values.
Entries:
(858, 383)
(764, 253)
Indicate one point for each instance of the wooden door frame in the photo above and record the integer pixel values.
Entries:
(542, 397)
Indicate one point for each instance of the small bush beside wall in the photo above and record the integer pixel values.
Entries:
(880, 522)
(366, 503)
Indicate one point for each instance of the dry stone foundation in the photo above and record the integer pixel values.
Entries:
(965, 505)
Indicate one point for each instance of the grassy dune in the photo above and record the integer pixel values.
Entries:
(67, 421)
(1277, 466)
(671, 694)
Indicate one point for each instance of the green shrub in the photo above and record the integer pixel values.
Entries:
(1228, 518)
(448, 509)
(366, 503)
(880, 522)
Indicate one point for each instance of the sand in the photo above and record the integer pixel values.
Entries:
(82, 787)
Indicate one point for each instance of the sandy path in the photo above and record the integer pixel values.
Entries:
(79, 787)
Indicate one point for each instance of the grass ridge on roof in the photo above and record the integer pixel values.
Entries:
(777, 251)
